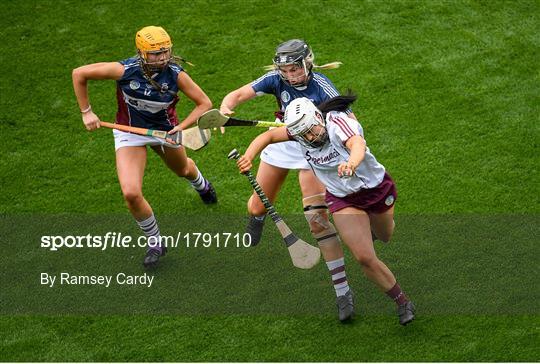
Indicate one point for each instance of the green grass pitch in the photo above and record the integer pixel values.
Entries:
(449, 101)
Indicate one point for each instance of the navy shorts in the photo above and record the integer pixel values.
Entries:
(373, 200)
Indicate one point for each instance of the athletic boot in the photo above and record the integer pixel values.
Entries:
(406, 313)
(210, 196)
(345, 305)
(255, 229)
(152, 256)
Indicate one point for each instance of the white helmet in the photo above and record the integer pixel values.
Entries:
(301, 117)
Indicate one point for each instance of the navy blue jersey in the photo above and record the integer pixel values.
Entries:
(318, 89)
(141, 104)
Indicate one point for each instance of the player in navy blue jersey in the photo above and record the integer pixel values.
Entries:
(147, 90)
(290, 77)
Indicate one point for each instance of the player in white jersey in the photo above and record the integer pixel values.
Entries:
(292, 76)
(360, 194)
(147, 93)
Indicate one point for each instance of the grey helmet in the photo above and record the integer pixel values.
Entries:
(297, 52)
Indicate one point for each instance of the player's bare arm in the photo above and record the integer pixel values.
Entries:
(258, 144)
(195, 94)
(95, 71)
(357, 147)
(235, 98)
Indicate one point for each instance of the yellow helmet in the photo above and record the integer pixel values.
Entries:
(152, 39)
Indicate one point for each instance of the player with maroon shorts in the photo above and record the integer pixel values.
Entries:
(359, 192)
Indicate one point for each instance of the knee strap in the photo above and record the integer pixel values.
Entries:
(315, 211)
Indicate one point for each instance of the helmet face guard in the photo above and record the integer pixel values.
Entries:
(313, 138)
(155, 66)
(153, 41)
(294, 52)
(305, 123)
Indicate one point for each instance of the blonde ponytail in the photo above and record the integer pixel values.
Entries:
(327, 66)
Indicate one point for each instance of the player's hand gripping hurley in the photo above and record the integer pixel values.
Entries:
(215, 119)
(303, 255)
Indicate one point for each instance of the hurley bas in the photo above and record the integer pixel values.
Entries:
(103, 280)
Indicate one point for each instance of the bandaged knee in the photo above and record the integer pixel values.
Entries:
(316, 213)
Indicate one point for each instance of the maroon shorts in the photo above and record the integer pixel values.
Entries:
(372, 200)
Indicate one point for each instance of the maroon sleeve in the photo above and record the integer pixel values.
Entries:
(290, 136)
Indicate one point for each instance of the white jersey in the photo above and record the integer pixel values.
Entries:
(325, 160)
